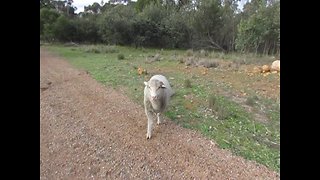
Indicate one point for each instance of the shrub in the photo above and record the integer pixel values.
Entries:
(189, 52)
(120, 56)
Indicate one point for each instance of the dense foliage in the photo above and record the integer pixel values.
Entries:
(205, 24)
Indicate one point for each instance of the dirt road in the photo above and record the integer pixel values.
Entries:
(89, 131)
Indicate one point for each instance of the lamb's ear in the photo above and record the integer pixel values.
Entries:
(162, 85)
(145, 83)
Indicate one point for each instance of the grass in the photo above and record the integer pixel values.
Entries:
(197, 105)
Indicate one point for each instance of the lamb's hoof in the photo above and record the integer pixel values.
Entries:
(148, 137)
(158, 123)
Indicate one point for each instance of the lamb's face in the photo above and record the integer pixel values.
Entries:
(155, 88)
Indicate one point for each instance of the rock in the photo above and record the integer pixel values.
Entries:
(265, 68)
(275, 66)
(257, 69)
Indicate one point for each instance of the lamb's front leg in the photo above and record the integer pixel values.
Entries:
(158, 117)
(150, 122)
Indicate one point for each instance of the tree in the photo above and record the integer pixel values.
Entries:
(60, 5)
(178, 30)
(182, 3)
(141, 4)
(70, 8)
(206, 24)
(115, 25)
(64, 29)
(46, 4)
(260, 32)
(64, 7)
(48, 18)
(230, 20)
(152, 26)
(118, 1)
(95, 8)
(86, 29)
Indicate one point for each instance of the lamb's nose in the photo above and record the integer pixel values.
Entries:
(154, 97)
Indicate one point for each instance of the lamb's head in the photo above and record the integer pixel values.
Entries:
(155, 88)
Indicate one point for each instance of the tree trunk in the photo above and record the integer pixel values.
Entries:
(264, 48)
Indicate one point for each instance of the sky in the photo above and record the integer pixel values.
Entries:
(81, 3)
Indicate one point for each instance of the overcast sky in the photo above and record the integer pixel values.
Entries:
(81, 3)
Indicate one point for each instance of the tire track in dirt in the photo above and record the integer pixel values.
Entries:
(89, 131)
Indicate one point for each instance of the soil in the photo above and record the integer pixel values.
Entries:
(90, 131)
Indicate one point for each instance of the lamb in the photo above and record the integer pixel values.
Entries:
(157, 93)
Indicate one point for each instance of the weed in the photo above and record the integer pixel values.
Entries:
(99, 49)
(120, 56)
(187, 83)
(252, 100)
(203, 53)
(208, 63)
(110, 49)
(189, 52)
(181, 60)
(189, 61)
(212, 101)
(221, 112)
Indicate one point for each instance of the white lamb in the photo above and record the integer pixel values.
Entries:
(157, 93)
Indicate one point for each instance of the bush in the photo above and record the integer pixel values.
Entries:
(208, 63)
(189, 52)
(91, 49)
(120, 56)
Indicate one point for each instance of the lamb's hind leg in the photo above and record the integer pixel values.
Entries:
(158, 118)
